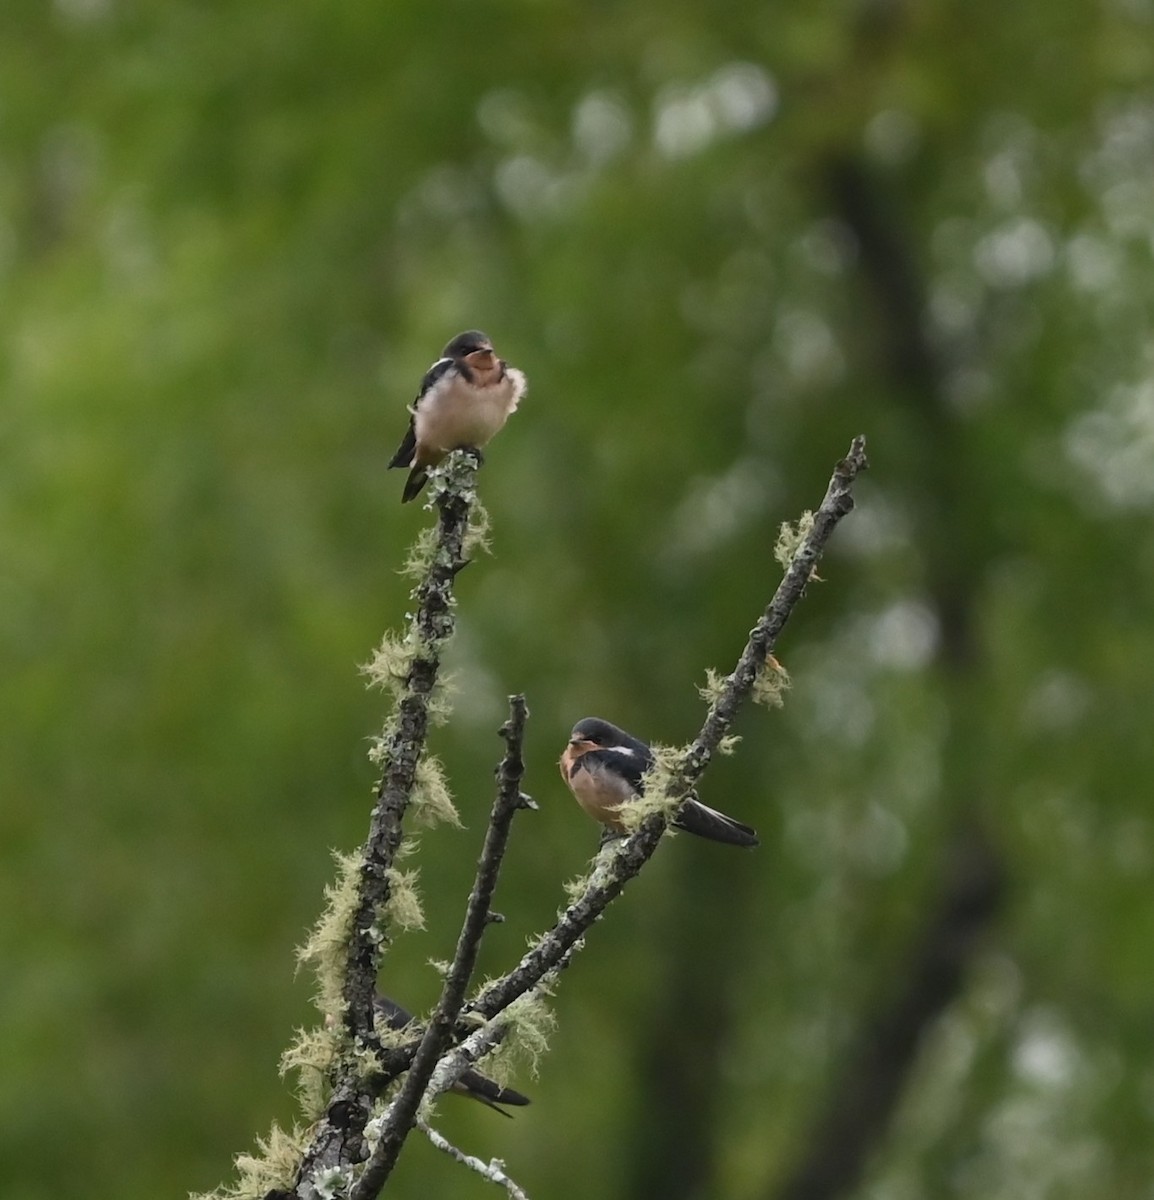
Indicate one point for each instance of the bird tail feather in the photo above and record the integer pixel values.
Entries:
(417, 479)
(477, 1087)
(707, 822)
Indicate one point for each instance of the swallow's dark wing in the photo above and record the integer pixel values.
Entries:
(404, 454)
(437, 371)
(630, 762)
(407, 448)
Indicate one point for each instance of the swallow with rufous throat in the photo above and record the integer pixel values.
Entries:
(604, 767)
(465, 398)
(472, 1084)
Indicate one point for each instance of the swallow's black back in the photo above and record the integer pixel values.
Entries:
(630, 757)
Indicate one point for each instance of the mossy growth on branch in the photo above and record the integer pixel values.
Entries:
(431, 802)
(790, 537)
(325, 950)
(663, 791)
(271, 1170)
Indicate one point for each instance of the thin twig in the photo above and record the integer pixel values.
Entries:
(439, 1030)
(338, 1140)
(493, 1170)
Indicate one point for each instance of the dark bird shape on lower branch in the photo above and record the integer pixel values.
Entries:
(472, 1084)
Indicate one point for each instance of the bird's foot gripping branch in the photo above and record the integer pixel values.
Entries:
(364, 1084)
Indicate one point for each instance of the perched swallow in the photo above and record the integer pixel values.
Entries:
(605, 767)
(472, 1084)
(464, 399)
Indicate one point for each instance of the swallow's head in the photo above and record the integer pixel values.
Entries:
(593, 733)
(474, 351)
(467, 343)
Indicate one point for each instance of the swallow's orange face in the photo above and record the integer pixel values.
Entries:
(574, 749)
(484, 364)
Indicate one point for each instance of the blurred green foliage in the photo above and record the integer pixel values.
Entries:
(232, 236)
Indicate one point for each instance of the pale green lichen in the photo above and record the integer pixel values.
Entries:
(771, 683)
(576, 888)
(314, 1053)
(600, 872)
(273, 1169)
(391, 663)
(438, 703)
(311, 1055)
(728, 744)
(422, 553)
(432, 802)
(326, 948)
(790, 538)
(333, 1182)
(660, 782)
(529, 1022)
(477, 531)
(456, 475)
(441, 965)
(714, 686)
(403, 907)
(390, 669)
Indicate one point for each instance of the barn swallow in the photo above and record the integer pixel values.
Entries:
(472, 1084)
(464, 399)
(605, 767)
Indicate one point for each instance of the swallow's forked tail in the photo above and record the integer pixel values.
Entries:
(477, 1087)
(707, 822)
(417, 479)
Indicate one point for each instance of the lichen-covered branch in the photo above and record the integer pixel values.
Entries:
(412, 667)
(619, 861)
(439, 1031)
(334, 1159)
(445, 1074)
